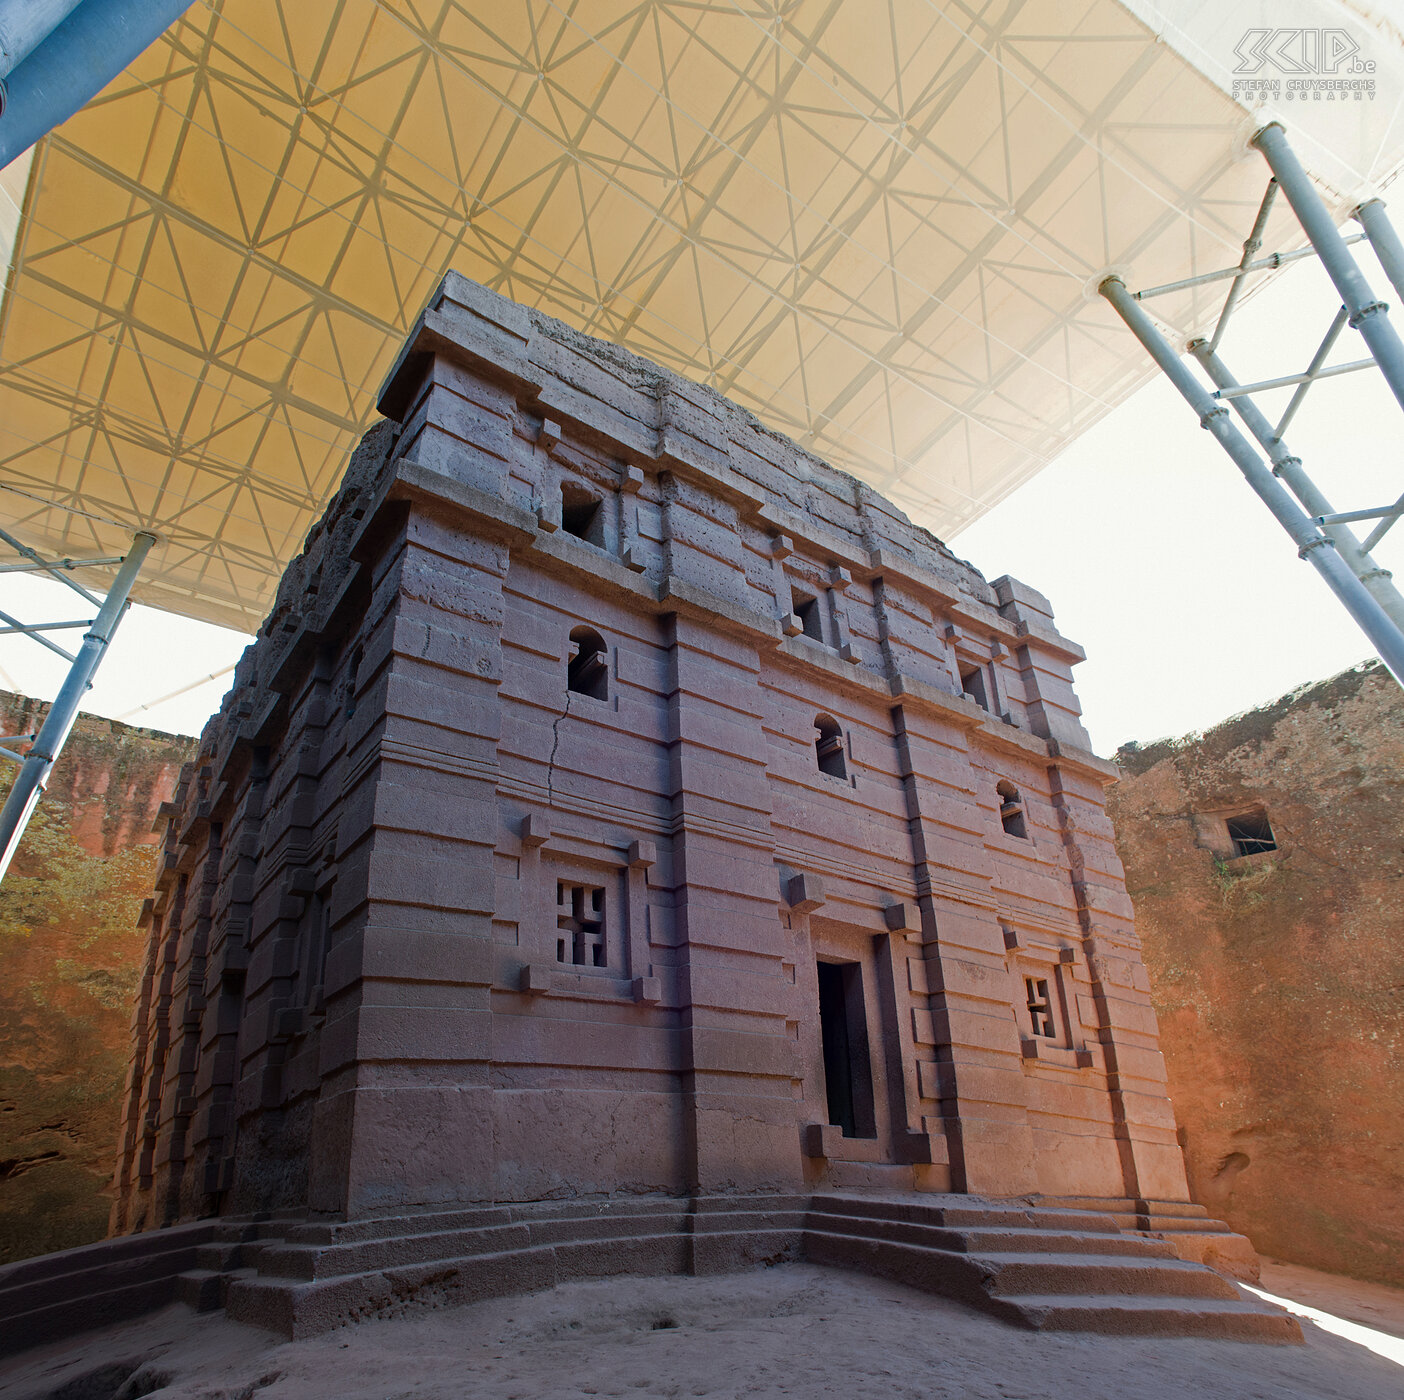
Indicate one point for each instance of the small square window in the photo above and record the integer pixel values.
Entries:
(1251, 833)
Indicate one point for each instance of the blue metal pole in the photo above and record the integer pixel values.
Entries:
(1383, 240)
(25, 24)
(1368, 314)
(34, 771)
(1312, 545)
(1379, 582)
(75, 62)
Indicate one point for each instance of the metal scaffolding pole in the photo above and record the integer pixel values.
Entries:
(36, 765)
(1383, 239)
(1312, 545)
(1379, 582)
(68, 53)
(1271, 263)
(1368, 314)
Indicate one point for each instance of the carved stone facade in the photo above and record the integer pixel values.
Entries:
(621, 800)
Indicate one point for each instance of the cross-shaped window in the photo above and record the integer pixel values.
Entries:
(580, 925)
(1040, 1009)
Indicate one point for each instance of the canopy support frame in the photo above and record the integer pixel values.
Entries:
(36, 765)
(1319, 531)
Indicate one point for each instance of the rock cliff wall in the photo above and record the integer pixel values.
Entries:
(70, 956)
(1277, 973)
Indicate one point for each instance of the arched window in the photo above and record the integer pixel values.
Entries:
(828, 746)
(1011, 809)
(587, 670)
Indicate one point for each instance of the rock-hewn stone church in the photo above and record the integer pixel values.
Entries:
(624, 816)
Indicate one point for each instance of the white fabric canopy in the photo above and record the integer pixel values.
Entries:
(875, 225)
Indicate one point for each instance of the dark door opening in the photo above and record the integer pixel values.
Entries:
(843, 1027)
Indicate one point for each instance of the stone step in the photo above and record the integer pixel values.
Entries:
(240, 1229)
(1034, 1218)
(252, 1251)
(597, 1227)
(730, 1222)
(732, 1205)
(385, 1227)
(989, 1240)
(1036, 1265)
(298, 1308)
(1232, 1320)
(309, 1261)
(1182, 1225)
(1127, 1207)
(1189, 1210)
(1164, 1297)
(942, 1211)
(1099, 1276)
(219, 1256)
(92, 1307)
(88, 1259)
(306, 1261)
(989, 1275)
(428, 1222)
(133, 1270)
(200, 1289)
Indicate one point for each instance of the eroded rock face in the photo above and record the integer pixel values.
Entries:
(70, 957)
(1277, 974)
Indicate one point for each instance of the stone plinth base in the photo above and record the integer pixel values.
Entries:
(1049, 1267)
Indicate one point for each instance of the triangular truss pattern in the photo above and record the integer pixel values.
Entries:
(874, 225)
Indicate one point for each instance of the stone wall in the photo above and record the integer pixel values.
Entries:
(70, 955)
(1277, 974)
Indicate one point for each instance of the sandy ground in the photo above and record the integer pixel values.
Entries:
(1371, 1304)
(797, 1330)
(1369, 1314)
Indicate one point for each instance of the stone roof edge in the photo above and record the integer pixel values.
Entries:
(475, 326)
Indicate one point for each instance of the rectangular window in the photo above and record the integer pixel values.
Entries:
(972, 682)
(811, 620)
(582, 514)
(580, 925)
(1251, 833)
(316, 934)
(843, 1027)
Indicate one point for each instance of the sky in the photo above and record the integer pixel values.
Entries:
(1159, 560)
